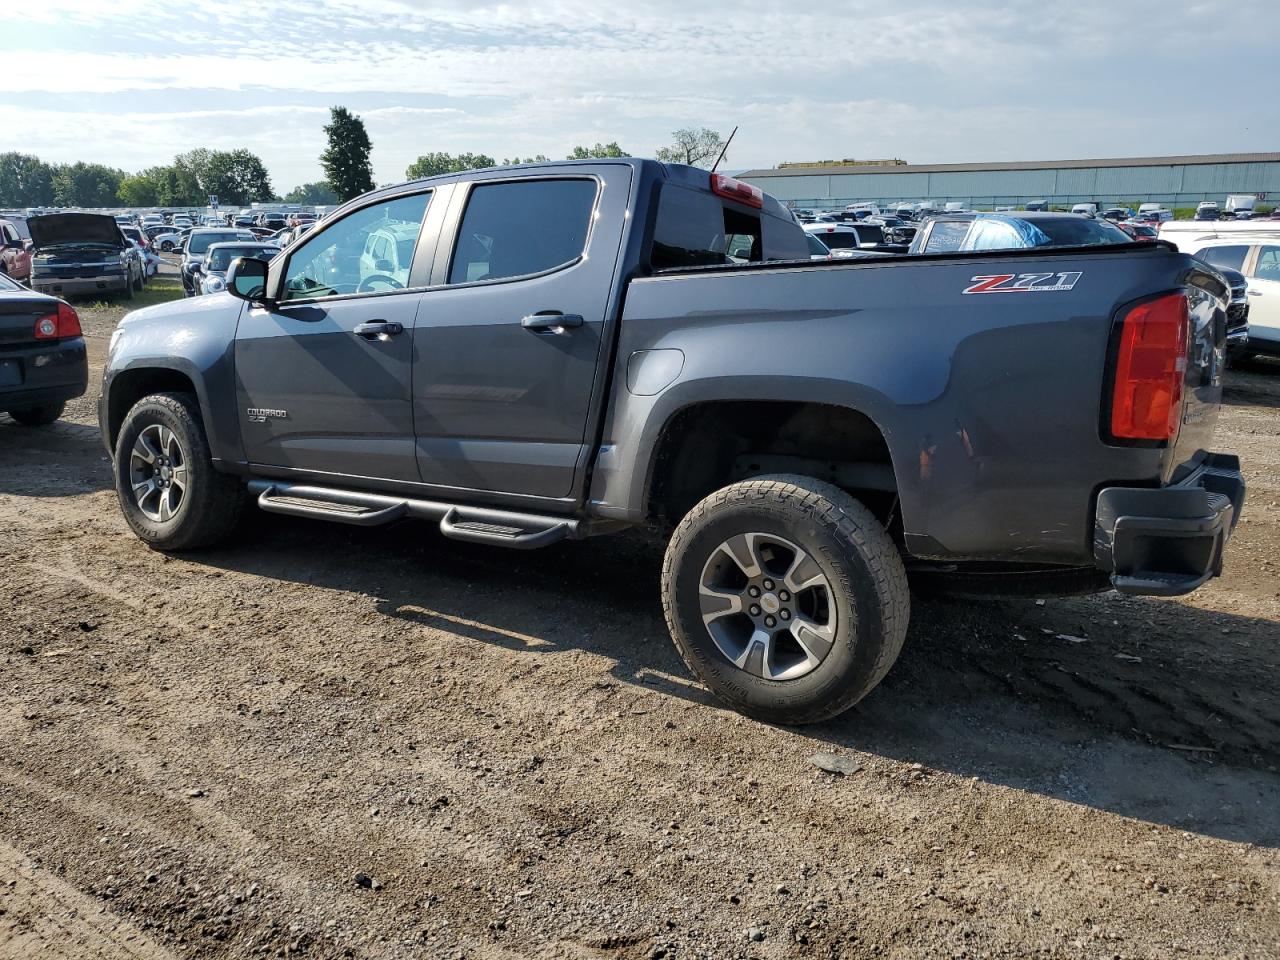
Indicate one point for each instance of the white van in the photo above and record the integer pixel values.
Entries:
(1085, 209)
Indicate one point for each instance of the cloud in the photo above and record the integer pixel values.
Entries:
(928, 81)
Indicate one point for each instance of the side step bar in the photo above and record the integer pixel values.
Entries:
(519, 531)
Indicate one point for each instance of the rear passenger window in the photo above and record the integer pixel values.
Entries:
(1230, 257)
(528, 226)
(946, 236)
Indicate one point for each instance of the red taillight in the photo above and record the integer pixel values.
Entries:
(57, 326)
(732, 189)
(1150, 368)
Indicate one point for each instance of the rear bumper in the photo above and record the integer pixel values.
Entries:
(1168, 541)
(48, 373)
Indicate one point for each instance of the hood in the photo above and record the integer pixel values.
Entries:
(74, 228)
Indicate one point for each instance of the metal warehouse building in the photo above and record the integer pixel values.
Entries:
(1173, 181)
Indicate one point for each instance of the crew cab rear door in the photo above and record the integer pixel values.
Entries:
(508, 339)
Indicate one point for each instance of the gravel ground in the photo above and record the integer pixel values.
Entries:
(327, 742)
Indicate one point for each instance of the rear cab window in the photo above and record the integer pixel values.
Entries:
(696, 228)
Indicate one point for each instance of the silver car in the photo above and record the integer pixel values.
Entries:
(219, 257)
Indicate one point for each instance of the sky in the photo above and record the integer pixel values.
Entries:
(130, 83)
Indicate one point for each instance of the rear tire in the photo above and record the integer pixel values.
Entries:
(175, 500)
(826, 645)
(40, 416)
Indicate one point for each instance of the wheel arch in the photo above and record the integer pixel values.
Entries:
(131, 384)
(709, 442)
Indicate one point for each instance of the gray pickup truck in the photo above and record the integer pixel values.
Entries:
(548, 352)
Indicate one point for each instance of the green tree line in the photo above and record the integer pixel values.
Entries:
(235, 177)
(239, 177)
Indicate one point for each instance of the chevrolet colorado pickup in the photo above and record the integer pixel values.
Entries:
(559, 350)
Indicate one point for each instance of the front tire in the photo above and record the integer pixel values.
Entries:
(169, 491)
(786, 597)
(40, 416)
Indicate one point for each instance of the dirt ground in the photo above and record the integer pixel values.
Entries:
(327, 742)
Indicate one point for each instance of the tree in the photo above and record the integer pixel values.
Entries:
(434, 164)
(85, 185)
(236, 177)
(597, 151)
(25, 181)
(694, 147)
(312, 194)
(138, 190)
(512, 161)
(346, 160)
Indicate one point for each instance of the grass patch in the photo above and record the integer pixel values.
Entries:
(159, 289)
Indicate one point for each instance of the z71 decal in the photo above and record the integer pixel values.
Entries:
(1024, 282)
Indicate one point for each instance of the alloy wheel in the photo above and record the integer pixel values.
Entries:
(768, 606)
(158, 474)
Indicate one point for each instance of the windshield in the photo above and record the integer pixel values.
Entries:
(200, 242)
(220, 259)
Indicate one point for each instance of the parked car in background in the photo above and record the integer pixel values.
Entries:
(1117, 214)
(1240, 206)
(388, 251)
(168, 239)
(15, 258)
(1013, 231)
(1153, 213)
(1258, 259)
(1139, 231)
(83, 253)
(197, 245)
(219, 257)
(842, 239)
(1207, 210)
(1034, 205)
(43, 362)
(817, 249)
(1085, 209)
(296, 234)
(1237, 315)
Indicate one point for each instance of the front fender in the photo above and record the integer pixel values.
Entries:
(195, 338)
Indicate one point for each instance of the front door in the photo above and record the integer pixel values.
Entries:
(323, 376)
(505, 352)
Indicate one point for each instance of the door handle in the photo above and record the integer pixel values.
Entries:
(551, 321)
(378, 329)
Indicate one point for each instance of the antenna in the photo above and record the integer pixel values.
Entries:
(723, 149)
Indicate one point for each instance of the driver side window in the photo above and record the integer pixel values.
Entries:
(336, 260)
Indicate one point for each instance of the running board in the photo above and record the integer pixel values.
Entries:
(518, 531)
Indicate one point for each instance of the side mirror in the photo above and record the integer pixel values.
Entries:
(247, 279)
(384, 266)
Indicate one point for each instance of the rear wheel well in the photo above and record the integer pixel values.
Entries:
(708, 446)
(130, 386)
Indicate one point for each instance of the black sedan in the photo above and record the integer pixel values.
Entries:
(43, 363)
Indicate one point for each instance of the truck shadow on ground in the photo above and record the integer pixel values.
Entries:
(1146, 708)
